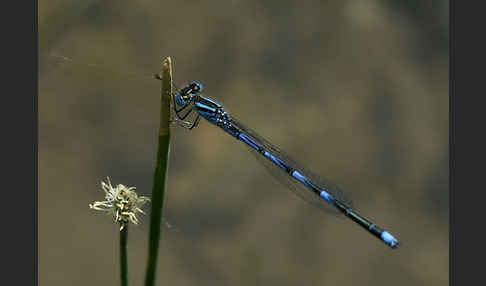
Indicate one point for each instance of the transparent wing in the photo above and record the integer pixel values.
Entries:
(65, 63)
(292, 184)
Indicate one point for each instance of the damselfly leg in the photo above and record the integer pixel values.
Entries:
(181, 119)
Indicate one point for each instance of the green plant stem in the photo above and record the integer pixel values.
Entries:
(123, 256)
(160, 176)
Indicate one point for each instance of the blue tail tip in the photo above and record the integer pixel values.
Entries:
(389, 239)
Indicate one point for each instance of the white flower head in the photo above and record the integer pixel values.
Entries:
(121, 202)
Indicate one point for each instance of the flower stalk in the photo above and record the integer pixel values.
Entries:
(124, 256)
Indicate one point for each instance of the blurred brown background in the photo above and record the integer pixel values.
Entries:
(356, 90)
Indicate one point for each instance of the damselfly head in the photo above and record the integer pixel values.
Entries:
(187, 93)
(196, 87)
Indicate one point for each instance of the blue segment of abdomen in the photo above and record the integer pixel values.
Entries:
(276, 161)
(322, 193)
(301, 179)
(248, 141)
(325, 195)
(258, 148)
(389, 239)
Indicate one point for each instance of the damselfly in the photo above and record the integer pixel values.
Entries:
(305, 184)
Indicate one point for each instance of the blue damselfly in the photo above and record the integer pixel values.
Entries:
(305, 184)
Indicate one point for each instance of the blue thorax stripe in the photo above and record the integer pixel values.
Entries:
(211, 101)
(205, 108)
